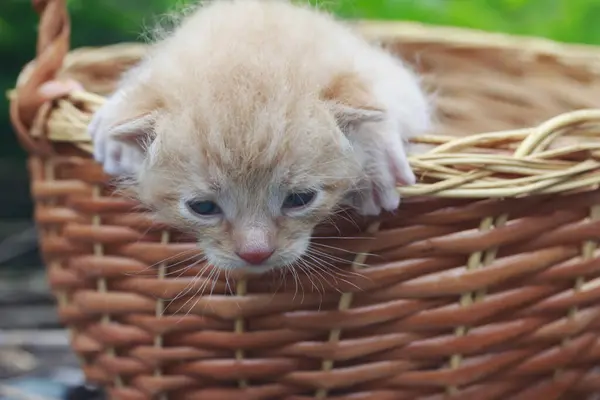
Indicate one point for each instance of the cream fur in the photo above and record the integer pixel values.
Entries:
(248, 100)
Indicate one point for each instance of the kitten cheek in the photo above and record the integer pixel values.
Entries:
(208, 222)
(299, 247)
(294, 249)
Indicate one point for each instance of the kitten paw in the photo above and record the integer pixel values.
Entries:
(116, 157)
(386, 167)
(376, 196)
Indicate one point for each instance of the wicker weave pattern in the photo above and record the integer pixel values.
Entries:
(484, 285)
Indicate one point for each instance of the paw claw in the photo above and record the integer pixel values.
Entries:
(390, 200)
(386, 166)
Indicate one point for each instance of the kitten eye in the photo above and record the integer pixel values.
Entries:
(204, 208)
(298, 200)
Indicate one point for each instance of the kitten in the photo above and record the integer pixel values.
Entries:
(253, 121)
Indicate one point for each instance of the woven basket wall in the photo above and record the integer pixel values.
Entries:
(484, 285)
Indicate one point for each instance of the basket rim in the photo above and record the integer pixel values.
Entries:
(537, 170)
(472, 37)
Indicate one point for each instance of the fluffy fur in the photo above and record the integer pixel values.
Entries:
(248, 101)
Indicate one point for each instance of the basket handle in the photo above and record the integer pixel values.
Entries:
(52, 47)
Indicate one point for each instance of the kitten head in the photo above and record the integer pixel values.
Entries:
(250, 173)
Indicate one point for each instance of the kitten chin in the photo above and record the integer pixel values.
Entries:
(253, 121)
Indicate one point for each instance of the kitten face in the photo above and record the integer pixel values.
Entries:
(252, 197)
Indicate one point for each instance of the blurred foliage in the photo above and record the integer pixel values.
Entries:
(109, 21)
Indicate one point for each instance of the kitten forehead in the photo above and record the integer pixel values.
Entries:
(252, 142)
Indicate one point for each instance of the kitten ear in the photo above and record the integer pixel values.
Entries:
(350, 101)
(379, 148)
(347, 116)
(138, 131)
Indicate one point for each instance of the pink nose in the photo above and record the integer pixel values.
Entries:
(255, 257)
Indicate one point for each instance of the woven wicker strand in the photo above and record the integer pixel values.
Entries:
(484, 285)
(455, 167)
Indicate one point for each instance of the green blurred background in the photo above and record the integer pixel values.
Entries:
(99, 22)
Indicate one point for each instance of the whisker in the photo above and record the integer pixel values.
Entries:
(160, 262)
(323, 278)
(227, 286)
(280, 270)
(331, 273)
(333, 258)
(308, 273)
(329, 256)
(282, 281)
(298, 281)
(318, 269)
(188, 288)
(198, 275)
(344, 214)
(293, 268)
(330, 221)
(145, 233)
(354, 253)
(339, 270)
(214, 284)
(214, 275)
(183, 269)
(200, 292)
(306, 268)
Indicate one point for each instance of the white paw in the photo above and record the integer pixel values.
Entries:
(375, 196)
(116, 156)
(386, 167)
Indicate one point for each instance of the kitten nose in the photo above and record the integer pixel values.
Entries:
(255, 257)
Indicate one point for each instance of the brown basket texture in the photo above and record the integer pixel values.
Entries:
(484, 285)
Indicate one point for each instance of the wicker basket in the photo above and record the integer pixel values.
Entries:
(484, 285)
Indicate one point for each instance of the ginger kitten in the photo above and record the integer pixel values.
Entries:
(254, 121)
